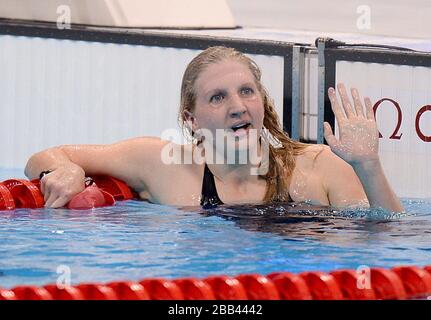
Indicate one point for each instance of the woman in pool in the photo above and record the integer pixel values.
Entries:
(221, 92)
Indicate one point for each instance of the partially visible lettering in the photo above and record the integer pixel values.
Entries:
(180, 310)
(396, 135)
(400, 117)
(417, 123)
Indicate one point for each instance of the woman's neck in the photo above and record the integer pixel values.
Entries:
(236, 170)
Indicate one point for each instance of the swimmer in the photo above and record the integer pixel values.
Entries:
(222, 92)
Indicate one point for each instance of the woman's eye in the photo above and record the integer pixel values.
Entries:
(247, 91)
(216, 98)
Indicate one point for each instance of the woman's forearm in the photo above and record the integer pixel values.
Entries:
(376, 186)
(49, 159)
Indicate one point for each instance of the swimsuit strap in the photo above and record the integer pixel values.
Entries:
(290, 199)
(209, 197)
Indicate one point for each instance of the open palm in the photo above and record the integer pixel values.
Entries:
(358, 134)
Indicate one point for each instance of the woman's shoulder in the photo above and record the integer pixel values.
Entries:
(322, 160)
(314, 152)
(313, 148)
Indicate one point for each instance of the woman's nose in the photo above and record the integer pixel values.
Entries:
(236, 106)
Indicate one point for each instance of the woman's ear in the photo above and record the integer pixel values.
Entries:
(190, 120)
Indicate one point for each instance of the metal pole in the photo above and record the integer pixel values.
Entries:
(321, 89)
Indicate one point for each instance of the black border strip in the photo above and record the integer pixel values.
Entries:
(396, 57)
(140, 37)
(287, 94)
(161, 39)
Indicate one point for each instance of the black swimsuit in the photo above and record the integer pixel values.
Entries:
(209, 198)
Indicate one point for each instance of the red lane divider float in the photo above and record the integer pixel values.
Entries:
(195, 289)
(31, 293)
(353, 286)
(114, 187)
(24, 193)
(387, 285)
(6, 199)
(258, 287)
(66, 293)
(290, 286)
(404, 282)
(322, 286)
(416, 281)
(226, 288)
(7, 295)
(129, 290)
(95, 291)
(91, 197)
(161, 289)
(20, 193)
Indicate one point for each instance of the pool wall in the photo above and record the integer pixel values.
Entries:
(100, 85)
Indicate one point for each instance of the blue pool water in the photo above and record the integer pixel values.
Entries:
(136, 240)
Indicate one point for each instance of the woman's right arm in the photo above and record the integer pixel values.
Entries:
(130, 160)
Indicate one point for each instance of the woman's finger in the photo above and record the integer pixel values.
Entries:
(336, 108)
(52, 197)
(345, 101)
(333, 142)
(42, 184)
(60, 202)
(329, 136)
(357, 102)
(369, 108)
(46, 191)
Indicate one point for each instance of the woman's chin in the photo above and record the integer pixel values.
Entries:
(241, 146)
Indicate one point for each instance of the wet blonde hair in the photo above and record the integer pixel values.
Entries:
(281, 154)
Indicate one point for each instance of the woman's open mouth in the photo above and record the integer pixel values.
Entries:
(241, 129)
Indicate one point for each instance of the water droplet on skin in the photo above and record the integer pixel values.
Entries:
(299, 186)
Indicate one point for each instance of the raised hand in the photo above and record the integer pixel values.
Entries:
(358, 134)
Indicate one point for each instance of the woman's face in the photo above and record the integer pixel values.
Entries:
(228, 101)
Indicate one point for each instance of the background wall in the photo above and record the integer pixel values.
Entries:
(124, 13)
(55, 92)
(398, 18)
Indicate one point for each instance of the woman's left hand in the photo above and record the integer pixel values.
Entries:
(358, 141)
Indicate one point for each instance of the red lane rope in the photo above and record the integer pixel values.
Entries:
(20, 193)
(403, 282)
